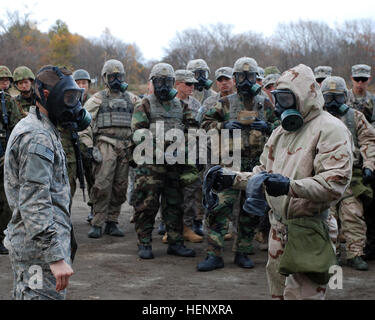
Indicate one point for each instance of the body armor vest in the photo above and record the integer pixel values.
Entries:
(350, 124)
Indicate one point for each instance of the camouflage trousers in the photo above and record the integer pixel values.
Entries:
(72, 173)
(131, 185)
(88, 167)
(5, 213)
(353, 227)
(27, 286)
(151, 182)
(192, 205)
(296, 286)
(111, 181)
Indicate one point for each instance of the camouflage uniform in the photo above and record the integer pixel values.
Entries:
(24, 103)
(252, 142)
(13, 117)
(318, 160)
(364, 104)
(37, 188)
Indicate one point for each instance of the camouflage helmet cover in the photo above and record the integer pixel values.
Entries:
(260, 73)
(334, 84)
(5, 73)
(22, 73)
(162, 70)
(81, 74)
(245, 64)
(112, 66)
(322, 72)
(271, 70)
(198, 64)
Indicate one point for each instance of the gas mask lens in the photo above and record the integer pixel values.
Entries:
(163, 81)
(72, 97)
(242, 76)
(285, 99)
(338, 97)
(200, 74)
(113, 76)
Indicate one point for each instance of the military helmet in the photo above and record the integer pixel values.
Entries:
(22, 73)
(271, 70)
(81, 74)
(162, 70)
(112, 66)
(198, 64)
(5, 73)
(334, 84)
(260, 74)
(245, 64)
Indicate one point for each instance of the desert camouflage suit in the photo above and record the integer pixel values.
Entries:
(252, 142)
(349, 209)
(110, 133)
(155, 180)
(318, 161)
(37, 188)
(13, 117)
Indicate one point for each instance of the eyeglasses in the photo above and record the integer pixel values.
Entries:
(189, 84)
(360, 79)
(338, 97)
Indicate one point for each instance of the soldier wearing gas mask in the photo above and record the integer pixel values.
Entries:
(243, 110)
(39, 236)
(350, 208)
(202, 89)
(306, 166)
(108, 140)
(165, 180)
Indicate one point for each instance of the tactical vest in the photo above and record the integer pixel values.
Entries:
(236, 105)
(115, 112)
(350, 124)
(364, 104)
(171, 119)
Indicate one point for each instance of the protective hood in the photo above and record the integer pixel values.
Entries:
(301, 81)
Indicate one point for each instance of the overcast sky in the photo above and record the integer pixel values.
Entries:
(152, 24)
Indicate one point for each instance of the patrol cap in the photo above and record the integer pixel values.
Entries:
(260, 74)
(226, 72)
(271, 70)
(334, 84)
(361, 70)
(185, 76)
(270, 79)
(322, 72)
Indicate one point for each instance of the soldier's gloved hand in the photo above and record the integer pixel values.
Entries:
(260, 125)
(368, 176)
(277, 185)
(231, 125)
(224, 179)
(89, 153)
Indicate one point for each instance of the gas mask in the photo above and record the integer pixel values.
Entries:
(286, 109)
(203, 82)
(335, 103)
(246, 83)
(64, 103)
(116, 82)
(163, 88)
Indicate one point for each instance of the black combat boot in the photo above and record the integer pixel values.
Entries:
(211, 263)
(90, 216)
(198, 227)
(161, 229)
(145, 251)
(3, 250)
(112, 229)
(357, 263)
(95, 232)
(180, 250)
(243, 260)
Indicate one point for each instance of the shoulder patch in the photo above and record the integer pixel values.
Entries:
(43, 152)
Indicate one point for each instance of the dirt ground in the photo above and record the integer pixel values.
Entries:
(109, 269)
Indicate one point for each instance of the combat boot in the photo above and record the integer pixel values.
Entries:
(191, 236)
(112, 229)
(161, 229)
(357, 263)
(95, 232)
(3, 250)
(165, 238)
(180, 250)
(90, 216)
(242, 260)
(198, 227)
(211, 263)
(145, 251)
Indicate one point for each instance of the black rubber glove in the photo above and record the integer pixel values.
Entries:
(231, 125)
(210, 200)
(133, 164)
(260, 125)
(277, 185)
(224, 179)
(368, 176)
(89, 153)
(256, 203)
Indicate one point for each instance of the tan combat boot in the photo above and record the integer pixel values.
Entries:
(191, 236)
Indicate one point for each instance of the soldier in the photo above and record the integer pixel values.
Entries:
(155, 180)
(39, 236)
(350, 207)
(260, 76)
(202, 89)
(23, 79)
(269, 85)
(108, 140)
(305, 168)
(322, 72)
(9, 116)
(83, 80)
(271, 70)
(231, 113)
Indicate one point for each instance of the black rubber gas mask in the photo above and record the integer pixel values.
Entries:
(203, 82)
(163, 88)
(246, 83)
(286, 109)
(116, 82)
(64, 103)
(335, 103)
